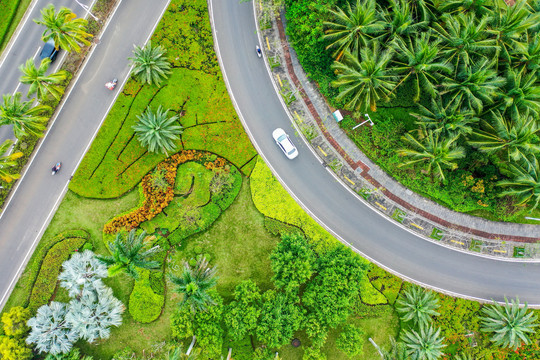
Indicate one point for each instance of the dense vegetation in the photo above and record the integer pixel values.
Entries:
(452, 88)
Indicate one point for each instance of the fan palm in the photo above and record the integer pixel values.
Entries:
(527, 55)
(156, 131)
(432, 150)
(417, 305)
(397, 351)
(515, 139)
(525, 185)
(150, 65)
(509, 324)
(400, 21)
(446, 118)
(193, 284)
(363, 83)
(130, 254)
(64, 28)
(420, 59)
(522, 94)
(426, 344)
(353, 28)
(7, 160)
(474, 86)
(40, 82)
(464, 37)
(26, 120)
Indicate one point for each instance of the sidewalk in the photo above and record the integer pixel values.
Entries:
(314, 119)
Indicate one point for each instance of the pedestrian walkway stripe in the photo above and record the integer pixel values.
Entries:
(417, 226)
(382, 207)
(267, 43)
(457, 242)
(322, 150)
(279, 79)
(298, 116)
(349, 180)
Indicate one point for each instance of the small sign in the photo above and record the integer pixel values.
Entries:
(337, 115)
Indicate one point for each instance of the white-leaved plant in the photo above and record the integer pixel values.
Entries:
(82, 273)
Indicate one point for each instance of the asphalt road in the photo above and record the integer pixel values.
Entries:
(38, 194)
(348, 218)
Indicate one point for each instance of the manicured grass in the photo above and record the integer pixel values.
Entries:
(11, 13)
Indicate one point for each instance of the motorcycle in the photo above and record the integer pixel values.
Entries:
(56, 168)
(111, 84)
(259, 51)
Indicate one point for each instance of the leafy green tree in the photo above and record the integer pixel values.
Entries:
(150, 65)
(15, 320)
(353, 28)
(417, 306)
(82, 274)
(157, 132)
(293, 262)
(420, 60)
(313, 353)
(397, 351)
(194, 283)
(40, 83)
(426, 344)
(525, 185)
(242, 314)
(508, 324)
(363, 84)
(431, 149)
(522, 92)
(351, 340)
(182, 323)
(8, 160)
(64, 28)
(281, 317)
(130, 254)
(207, 327)
(12, 348)
(400, 22)
(26, 120)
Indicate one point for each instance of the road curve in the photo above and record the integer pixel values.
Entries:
(333, 206)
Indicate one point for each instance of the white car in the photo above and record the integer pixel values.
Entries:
(285, 143)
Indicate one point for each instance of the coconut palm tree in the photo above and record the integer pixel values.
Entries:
(156, 131)
(522, 94)
(64, 28)
(477, 7)
(353, 28)
(7, 160)
(130, 254)
(363, 83)
(516, 138)
(193, 284)
(509, 325)
(423, 10)
(400, 22)
(417, 305)
(464, 37)
(150, 65)
(41, 83)
(474, 86)
(420, 59)
(397, 351)
(527, 55)
(426, 344)
(525, 185)
(26, 120)
(436, 152)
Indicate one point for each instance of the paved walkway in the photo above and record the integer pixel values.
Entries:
(313, 118)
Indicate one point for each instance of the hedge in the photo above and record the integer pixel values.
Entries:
(279, 228)
(65, 244)
(386, 283)
(144, 304)
(8, 9)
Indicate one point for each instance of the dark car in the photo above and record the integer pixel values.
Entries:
(49, 51)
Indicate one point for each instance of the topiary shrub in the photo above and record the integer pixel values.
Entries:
(144, 304)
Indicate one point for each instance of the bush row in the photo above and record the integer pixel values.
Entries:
(65, 244)
(8, 9)
(144, 304)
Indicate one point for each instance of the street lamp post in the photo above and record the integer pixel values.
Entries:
(362, 123)
(85, 7)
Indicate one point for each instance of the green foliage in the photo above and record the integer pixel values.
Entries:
(279, 228)
(14, 349)
(156, 131)
(369, 294)
(9, 9)
(64, 245)
(74, 354)
(417, 306)
(313, 353)
(144, 304)
(15, 321)
(207, 327)
(26, 119)
(7, 161)
(351, 340)
(150, 65)
(386, 283)
(426, 344)
(242, 314)
(182, 323)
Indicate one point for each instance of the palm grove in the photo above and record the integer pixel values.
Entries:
(469, 67)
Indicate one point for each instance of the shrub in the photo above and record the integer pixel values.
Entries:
(351, 340)
(181, 323)
(15, 321)
(14, 349)
(145, 305)
(278, 228)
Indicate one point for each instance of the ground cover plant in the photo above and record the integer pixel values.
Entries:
(8, 11)
(452, 88)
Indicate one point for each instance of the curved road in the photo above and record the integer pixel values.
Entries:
(331, 204)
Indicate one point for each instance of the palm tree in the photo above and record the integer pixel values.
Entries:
(353, 28)
(364, 83)
(463, 356)
(516, 139)
(525, 186)
(420, 59)
(463, 36)
(477, 7)
(8, 160)
(423, 10)
(150, 65)
(397, 351)
(194, 283)
(427, 344)
(64, 28)
(433, 150)
(156, 131)
(26, 120)
(417, 305)
(474, 86)
(522, 94)
(446, 118)
(509, 324)
(178, 354)
(40, 82)
(400, 22)
(527, 55)
(130, 254)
